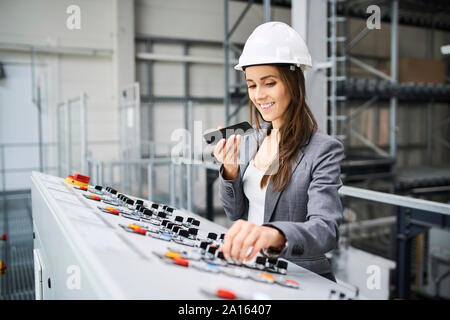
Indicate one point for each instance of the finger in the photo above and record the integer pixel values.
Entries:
(259, 244)
(218, 149)
(229, 149)
(238, 241)
(229, 238)
(237, 142)
(219, 127)
(249, 241)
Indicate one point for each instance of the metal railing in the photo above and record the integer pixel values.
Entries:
(4, 170)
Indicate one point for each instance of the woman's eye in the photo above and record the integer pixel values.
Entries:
(271, 84)
(252, 86)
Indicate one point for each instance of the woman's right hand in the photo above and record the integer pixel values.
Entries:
(226, 151)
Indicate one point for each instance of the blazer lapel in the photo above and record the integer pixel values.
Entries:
(273, 196)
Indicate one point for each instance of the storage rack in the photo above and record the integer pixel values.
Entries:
(429, 14)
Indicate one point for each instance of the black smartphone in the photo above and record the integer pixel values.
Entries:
(242, 129)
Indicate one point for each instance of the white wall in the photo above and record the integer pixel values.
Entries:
(42, 23)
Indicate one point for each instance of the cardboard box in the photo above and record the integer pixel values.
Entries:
(418, 70)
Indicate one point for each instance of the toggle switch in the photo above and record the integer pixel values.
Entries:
(147, 212)
(282, 266)
(195, 223)
(184, 233)
(261, 262)
(112, 210)
(193, 231)
(92, 197)
(172, 254)
(179, 219)
(162, 214)
(212, 236)
(181, 261)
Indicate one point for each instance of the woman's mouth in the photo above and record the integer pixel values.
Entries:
(266, 106)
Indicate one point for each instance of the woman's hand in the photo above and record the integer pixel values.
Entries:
(226, 151)
(243, 235)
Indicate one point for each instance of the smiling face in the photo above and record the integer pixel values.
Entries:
(268, 93)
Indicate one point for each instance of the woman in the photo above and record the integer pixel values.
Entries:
(282, 188)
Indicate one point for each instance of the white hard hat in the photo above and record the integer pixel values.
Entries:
(275, 42)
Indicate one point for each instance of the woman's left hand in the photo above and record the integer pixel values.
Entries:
(243, 235)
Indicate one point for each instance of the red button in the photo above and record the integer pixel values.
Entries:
(112, 210)
(140, 231)
(226, 294)
(81, 178)
(4, 237)
(94, 197)
(84, 188)
(181, 261)
(292, 281)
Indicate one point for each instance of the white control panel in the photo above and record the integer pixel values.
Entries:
(100, 244)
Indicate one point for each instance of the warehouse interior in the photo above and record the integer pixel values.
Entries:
(109, 88)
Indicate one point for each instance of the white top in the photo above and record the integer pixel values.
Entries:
(255, 195)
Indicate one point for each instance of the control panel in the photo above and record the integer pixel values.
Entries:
(94, 242)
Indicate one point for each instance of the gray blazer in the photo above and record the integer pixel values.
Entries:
(309, 211)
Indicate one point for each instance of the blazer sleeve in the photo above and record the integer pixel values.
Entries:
(319, 233)
(232, 197)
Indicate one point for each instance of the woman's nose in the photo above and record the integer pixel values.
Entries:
(260, 94)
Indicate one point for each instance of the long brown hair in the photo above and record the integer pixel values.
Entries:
(298, 127)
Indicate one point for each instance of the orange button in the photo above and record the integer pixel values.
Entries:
(292, 281)
(93, 196)
(133, 226)
(267, 276)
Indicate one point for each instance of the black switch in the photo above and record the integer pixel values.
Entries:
(162, 214)
(189, 220)
(147, 212)
(193, 231)
(165, 222)
(179, 219)
(175, 228)
(183, 233)
(282, 264)
(204, 245)
(222, 236)
(212, 250)
(155, 205)
(212, 236)
(99, 188)
(196, 223)
(261, 261)
(140, 202)
(130, 202)
(220, 255)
